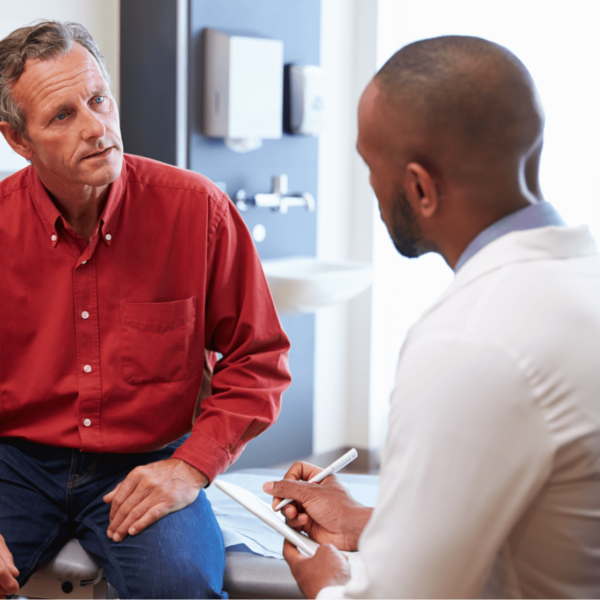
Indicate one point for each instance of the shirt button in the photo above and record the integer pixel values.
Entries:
(85, 314)
(83, 262)
(53, 237)
(87, 369)
(108, 237)
(87, 422)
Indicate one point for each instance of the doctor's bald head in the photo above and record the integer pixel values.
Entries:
(467, 95)
(457, 121)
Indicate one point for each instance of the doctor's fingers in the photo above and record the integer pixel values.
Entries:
(300, 491)
(295, 519)
(326, 568)
(302, 471)
(304, 492)
(291, 554)
(299, 471)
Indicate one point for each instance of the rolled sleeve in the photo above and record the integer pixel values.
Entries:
(241, 323)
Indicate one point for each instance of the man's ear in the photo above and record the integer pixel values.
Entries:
(16, 140)
(421, 190)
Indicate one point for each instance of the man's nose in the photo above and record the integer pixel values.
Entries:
(92, 125)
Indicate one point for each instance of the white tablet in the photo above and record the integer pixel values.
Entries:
(265, 513)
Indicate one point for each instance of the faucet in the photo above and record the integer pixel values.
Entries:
(278, 200)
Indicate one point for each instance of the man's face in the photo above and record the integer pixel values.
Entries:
(72, 121)
(379, 146)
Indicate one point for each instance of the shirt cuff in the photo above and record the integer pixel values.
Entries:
(333, 591)
(204, 454)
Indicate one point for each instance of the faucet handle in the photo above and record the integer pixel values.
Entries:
(280, 184)
(241, 200)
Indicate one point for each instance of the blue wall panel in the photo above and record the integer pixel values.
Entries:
(148, 78)
(297, 23)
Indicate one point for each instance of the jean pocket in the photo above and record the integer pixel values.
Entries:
(157, 341)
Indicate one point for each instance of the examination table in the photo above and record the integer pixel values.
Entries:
(253, 564)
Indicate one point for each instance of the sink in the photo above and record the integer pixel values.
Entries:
(302, 285)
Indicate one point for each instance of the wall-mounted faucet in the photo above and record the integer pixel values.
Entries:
(277, 200)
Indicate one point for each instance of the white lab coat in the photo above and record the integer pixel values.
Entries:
(490, 483)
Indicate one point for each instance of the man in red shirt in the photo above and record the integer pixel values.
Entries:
(116, 273)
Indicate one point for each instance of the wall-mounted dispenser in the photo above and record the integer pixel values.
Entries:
(243, 89)
(304, 104)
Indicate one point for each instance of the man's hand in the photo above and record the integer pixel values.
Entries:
(8, 571)
(325, 511)
(149, 493)
(327, 567)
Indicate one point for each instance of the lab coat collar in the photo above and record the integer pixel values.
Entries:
(544, 243)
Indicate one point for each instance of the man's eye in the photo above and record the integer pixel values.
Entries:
(99, 99)
(61, 116)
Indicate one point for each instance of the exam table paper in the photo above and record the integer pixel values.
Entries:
(242, 529)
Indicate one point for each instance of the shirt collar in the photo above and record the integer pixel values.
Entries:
(49, 214)
(533, 216)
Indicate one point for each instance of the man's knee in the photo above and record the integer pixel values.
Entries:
(180, 556)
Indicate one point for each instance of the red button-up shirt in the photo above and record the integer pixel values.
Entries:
(102, 343)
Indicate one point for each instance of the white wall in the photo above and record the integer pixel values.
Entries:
(345, 226)
(356, 350)
(333, 221)
(100, 17)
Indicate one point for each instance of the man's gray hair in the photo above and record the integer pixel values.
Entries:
(43, 40)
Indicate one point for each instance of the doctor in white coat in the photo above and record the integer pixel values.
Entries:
(490, 484)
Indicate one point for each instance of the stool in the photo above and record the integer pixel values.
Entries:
(75, 573)
(72, 573)
(249, 575)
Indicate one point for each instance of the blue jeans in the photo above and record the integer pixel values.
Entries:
(50, 495)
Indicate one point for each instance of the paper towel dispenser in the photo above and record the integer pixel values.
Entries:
(243, 88)
(304, 104)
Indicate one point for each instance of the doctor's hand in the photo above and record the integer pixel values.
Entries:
(149, 493)
(325, 511)
(8, 571)
(327, 567)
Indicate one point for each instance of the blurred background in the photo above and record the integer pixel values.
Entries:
(344, 355)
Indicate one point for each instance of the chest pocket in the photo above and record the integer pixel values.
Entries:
(157, 341)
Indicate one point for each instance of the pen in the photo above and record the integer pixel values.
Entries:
(335, 466)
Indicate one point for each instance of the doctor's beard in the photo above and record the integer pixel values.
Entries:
(405, 231)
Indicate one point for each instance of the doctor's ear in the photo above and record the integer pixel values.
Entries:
(16, 140)
(421, 190)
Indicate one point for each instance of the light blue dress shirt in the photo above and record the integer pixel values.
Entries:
(542, 214)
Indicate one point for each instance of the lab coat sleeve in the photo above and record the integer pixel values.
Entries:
(467, 451)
